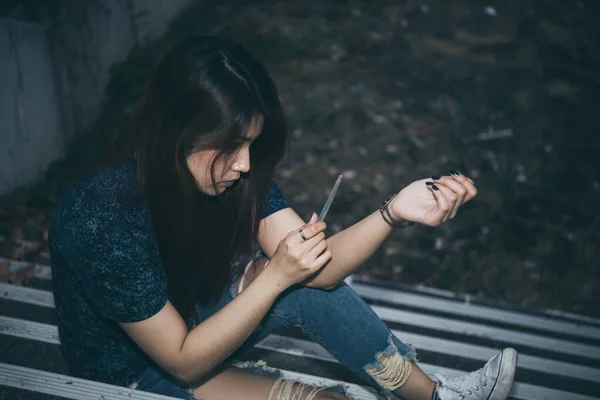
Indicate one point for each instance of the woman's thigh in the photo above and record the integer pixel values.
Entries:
(236, 384)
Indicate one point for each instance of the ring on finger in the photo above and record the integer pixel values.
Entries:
(302, 235)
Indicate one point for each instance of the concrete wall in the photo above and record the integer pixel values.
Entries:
(52, 77)
(30, 118)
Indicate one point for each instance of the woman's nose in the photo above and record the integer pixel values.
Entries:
(242, 162)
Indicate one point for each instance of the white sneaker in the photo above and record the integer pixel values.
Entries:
(492, 382)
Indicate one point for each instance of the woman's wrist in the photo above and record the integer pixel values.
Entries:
(387, 213)
(392, 210)
(273, 279)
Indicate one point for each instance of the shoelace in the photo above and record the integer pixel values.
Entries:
(470, 381)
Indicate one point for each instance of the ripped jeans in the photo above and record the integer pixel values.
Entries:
(337, 319)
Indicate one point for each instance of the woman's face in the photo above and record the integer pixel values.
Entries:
(228, 169)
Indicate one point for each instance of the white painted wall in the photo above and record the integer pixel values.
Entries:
(52, 78)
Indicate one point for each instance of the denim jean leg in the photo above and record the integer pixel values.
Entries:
(270, 323)
(342, 323)
(155, 380)
(348, 329)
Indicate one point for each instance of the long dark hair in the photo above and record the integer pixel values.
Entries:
(205, 94)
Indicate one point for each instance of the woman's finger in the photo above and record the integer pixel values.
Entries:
(442, 203)
(312, 242)
(457, 188)
(308, 231)
(313, 218)
(466, 182)
(317, 249)
(322, 259)
(450, 198)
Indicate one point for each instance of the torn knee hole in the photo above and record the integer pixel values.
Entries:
(284, 389)
(390, 371)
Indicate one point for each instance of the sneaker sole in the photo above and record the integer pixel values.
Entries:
(506, 375)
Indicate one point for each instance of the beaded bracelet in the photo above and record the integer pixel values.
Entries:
(387, 216)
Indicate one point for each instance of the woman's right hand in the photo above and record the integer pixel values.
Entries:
(296, 259)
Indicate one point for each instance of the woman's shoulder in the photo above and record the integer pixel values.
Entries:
(99, 200)
(111, 186)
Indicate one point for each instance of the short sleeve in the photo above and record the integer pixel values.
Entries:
(114, 256)
(275, 200)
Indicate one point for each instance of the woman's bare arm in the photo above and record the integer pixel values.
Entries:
(350, 247)
(354, 245)
(189, 355)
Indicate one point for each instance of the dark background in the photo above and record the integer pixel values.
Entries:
(388, 92)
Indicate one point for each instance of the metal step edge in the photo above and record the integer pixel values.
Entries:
(22, 328)
(39, 271)
(472, 310)
(519, 391)
(424, 301)
(558, 315)
(68, 386)
(29, 330)
(487, 332)
(480, 353)
(81, 389)
(56, 384)
(49, 334)
(36, 296)
(26, 295)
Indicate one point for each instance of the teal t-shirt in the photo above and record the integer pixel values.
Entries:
(106, 268)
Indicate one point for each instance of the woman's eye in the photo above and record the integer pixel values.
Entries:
(235, 147)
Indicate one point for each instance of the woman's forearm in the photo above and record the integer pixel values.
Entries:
(350, 248)
(216, 338)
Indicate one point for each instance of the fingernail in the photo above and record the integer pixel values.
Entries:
(435, 177)
(435, 187)
(429, 183)
(454, 172)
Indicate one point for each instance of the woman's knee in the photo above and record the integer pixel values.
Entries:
(284, 389)
(299, 295)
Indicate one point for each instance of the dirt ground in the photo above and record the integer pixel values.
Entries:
(389, 92)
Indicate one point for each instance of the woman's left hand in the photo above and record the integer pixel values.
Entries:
(422, 203)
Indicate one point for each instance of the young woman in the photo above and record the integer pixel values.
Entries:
(156, 279)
